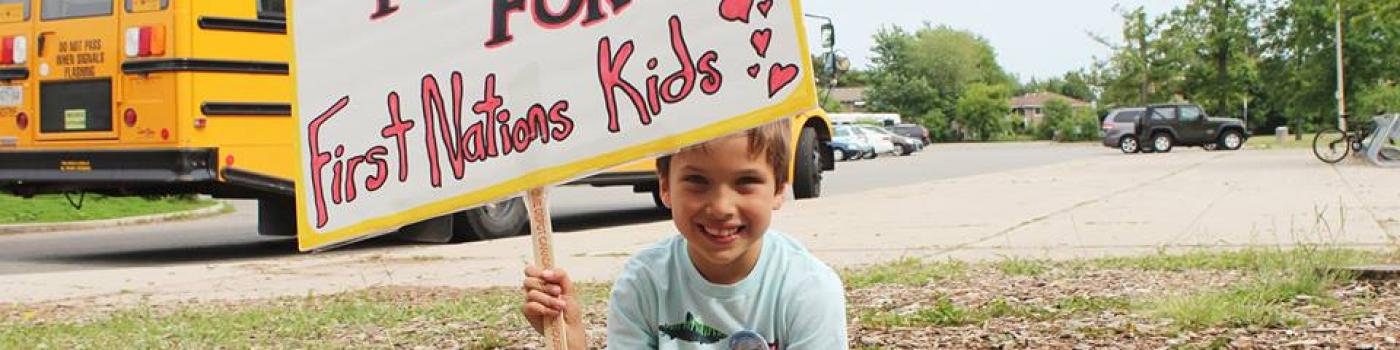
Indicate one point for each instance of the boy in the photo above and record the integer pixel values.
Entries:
(727, 281)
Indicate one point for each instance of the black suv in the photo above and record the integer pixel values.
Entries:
(1168, 125)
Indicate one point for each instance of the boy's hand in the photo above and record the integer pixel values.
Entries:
(549, 293)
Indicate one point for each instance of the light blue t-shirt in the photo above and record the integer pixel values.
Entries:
(790, 299)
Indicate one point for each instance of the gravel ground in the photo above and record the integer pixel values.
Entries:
(1366, 315)
(1054, 308)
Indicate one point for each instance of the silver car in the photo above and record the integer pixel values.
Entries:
(1120, 129)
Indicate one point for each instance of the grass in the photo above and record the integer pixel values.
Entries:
(56, 208)
(1276, 280)
(1258, 259)
(376, 318)
(945, 313)
(1023, 267)
(482, 319)
(906, 271)
(1271, 142)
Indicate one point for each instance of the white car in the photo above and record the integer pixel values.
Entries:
(883, 143)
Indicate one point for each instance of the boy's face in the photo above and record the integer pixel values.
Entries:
(721, 200)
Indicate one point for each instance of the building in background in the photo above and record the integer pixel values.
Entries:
(1029, 109)
(852, 99)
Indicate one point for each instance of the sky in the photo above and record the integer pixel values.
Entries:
(1033, 38)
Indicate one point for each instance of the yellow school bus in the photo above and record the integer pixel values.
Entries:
(149, 97)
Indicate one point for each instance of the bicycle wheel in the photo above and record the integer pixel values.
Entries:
(1331, 146)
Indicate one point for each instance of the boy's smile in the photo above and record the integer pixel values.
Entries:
(722, 199)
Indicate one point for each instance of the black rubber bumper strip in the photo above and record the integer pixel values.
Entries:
(15, 73)
(108, 166)
(260, 182)
(204, 65)
(246, 108)
(243, 25)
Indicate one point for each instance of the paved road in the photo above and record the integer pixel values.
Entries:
(233, 237)
(1182, 201)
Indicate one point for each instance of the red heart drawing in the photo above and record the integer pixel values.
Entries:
(764, 6)
(735, 10)
(754, 70)
(760, 40)
(779, 76)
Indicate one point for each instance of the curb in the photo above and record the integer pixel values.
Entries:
(129, 221)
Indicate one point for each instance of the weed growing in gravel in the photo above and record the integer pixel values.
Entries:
(907, 272)
(944, 312)
(1023, 267)
(1255, 259)
(376, 318)
(1281, 278)
(1077, 304)
(1000, 307)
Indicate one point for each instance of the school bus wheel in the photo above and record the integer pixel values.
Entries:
(502, 219)
(807, 166)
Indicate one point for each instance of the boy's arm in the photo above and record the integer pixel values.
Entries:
(818, 319)
(633, 299)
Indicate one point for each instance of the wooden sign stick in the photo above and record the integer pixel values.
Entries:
(542, 242)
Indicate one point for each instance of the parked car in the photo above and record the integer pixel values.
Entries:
(906, 145)
(1165, 126)
(913, 131)
(848, 143)
(1120, 129)
(884, 141)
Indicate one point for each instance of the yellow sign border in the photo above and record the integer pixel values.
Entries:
(802, 99)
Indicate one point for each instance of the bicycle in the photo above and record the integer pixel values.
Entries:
(1331, 145)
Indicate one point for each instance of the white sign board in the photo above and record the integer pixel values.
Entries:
(414, 109)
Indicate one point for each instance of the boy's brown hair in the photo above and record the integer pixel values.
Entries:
(769, 141)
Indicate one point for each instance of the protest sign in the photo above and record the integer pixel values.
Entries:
(415, 109)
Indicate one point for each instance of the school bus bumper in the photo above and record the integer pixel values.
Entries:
(47, 171)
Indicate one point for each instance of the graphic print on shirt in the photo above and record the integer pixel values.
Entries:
(750, 340)
(692, 331)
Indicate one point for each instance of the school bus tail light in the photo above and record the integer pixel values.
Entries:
(129, 117)
(148, 41)
(22, 121)
(16, 50)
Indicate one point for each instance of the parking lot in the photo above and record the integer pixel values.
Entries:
(1027, 200)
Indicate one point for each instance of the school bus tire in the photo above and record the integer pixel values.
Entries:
(502, 219)
(807, 166)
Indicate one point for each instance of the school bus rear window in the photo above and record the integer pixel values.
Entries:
(272, 9)
(12, 11)
(62, 9)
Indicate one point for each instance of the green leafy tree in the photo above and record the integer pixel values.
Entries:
(1299, 68)
(982, 111)
(1213, 47)
(1138, 72)
(1384, 98)
(1076, 84)
(1055, 111)
(1081, 125)
(918, 73)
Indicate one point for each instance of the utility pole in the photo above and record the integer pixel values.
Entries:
(1341, 75)
(828, 43)
(1246, 110)
(1141, 37)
